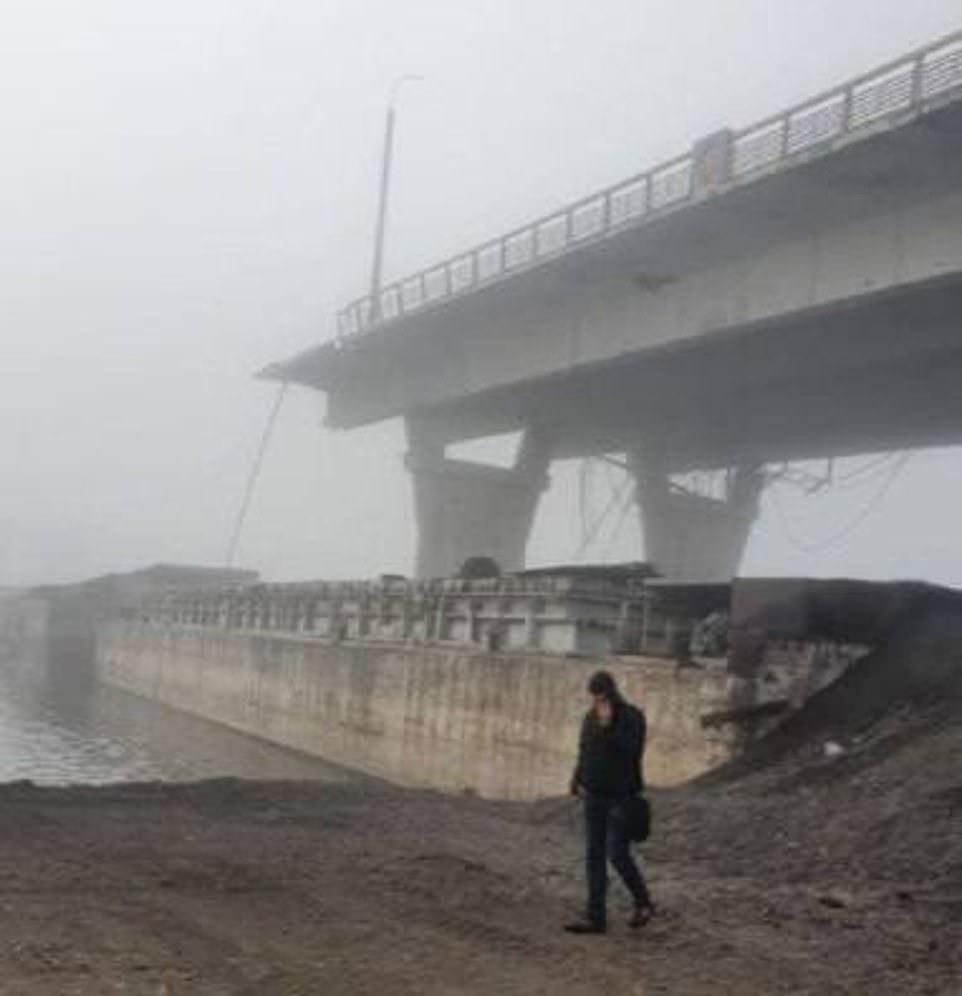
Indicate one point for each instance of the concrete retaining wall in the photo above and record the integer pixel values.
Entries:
(504, 726)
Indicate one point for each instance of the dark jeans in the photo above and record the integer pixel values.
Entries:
(608, 840)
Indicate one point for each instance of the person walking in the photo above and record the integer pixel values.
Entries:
(607, 777)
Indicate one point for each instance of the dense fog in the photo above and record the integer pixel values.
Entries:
(188, 194)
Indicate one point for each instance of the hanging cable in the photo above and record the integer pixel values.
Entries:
(254, 474)
(626, 507)
(612, 503)
(864, 476)
(844, 533)
(870, 465)
(583, 513)
(854, 479)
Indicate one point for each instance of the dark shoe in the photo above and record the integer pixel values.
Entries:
(641, 916)
(585, 926)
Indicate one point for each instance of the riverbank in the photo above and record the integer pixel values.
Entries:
(231, 887)
(827, 860)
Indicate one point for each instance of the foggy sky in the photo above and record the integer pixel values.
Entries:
(188, 194)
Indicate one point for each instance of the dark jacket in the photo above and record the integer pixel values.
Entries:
(610, 757)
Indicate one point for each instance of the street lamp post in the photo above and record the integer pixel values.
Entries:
(384, 193)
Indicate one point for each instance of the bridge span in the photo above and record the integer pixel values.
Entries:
(789, 290)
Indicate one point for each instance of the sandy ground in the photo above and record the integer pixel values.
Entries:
(267, 888)
(792, 873)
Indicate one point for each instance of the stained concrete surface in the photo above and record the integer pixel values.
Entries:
(501, 725)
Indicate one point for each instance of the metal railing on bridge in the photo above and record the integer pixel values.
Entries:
(911, 84)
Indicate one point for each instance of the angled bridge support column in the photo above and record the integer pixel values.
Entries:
(468, 509)
(694, 537)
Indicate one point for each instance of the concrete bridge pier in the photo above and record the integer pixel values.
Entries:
(690, 536)
(466, 509)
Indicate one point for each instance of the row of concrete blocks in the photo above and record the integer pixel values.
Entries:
(539, 618)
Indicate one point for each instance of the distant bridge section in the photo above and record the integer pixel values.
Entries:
(790, 290)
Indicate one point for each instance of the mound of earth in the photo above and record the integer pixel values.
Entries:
(864, 783)
(914, 674)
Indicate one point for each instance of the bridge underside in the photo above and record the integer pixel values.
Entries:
(883, 373)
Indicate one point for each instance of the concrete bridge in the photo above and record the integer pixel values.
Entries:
(787, 291)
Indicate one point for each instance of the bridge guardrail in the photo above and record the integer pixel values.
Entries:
(860, 105)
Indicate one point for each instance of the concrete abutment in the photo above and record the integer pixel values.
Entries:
(695, 537)
(466, 509)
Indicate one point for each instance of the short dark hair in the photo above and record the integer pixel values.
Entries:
(602, 683)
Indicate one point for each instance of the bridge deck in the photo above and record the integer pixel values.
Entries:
(488, 339)
(879, 100)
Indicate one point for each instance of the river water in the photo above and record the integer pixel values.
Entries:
(53, 737)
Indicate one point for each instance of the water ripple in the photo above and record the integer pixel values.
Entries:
(55, 737)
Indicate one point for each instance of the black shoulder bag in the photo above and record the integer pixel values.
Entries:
(637, 811)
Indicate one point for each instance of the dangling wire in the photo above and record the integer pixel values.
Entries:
(627, 505)
(583, 512)
(891, 474)
(254, 474)
(614, 502)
